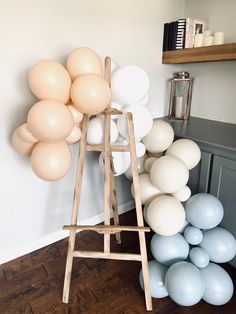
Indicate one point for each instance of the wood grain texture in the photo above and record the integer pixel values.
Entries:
(226, 52)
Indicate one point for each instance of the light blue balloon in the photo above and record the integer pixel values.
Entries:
(184, 283)
(169, 249)
(204, 211)
(218, 285)
(193, 235)
(219, 244)
(157, 274)
(199, 257)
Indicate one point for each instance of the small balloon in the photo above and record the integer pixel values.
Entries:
(193, 235)
(140, 166)
(22, 147)
(121, 162)
(77, 116)
(148, 163)
(199, 257)
(115, 106)
(25, 134)
(183, 194)
(140, 149)
(74, 136)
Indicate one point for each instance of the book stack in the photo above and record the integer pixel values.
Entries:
(180, 34)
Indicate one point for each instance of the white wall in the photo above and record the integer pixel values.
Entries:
(214, 85)
(32, 211)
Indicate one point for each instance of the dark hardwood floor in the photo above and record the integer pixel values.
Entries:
(33, 283)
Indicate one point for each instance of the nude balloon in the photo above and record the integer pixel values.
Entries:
(22, 147)
(49, 80)
(50, 121)
(77, 116)
(74, 135)
(83, 60)
(90, 94)
(25, 134)
(51, 161)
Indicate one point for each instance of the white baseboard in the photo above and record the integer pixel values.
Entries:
(55, 236)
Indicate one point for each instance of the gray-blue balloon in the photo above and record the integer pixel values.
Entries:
(184, 283)
(204, 211)
(199, 257)
(193, 235)
(169, 249)
(157, 274)
(218, 285)
(219, 244)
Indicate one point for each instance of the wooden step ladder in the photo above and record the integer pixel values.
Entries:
(109, 196)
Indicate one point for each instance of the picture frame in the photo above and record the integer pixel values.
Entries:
(194, 26)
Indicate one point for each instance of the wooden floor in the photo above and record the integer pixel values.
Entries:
(33, 283)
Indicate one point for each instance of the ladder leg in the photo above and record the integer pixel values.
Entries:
(114, 202)
(142, 241)
(79, 174)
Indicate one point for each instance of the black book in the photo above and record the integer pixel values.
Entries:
(165, 36)
(174, 34)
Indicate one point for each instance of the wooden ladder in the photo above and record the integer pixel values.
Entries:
(109, 196)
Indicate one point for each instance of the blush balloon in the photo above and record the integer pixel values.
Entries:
(25, 134)
(77, 116)
(74, 135)
(22, 147)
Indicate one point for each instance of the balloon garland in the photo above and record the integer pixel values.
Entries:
(187, 238)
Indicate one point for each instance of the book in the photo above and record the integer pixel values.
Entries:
(180, 35)
(165, 37)
(194, 26)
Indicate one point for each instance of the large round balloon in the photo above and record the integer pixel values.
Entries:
(129, 84)
(157, 274)
(169, 174)
(166, 215)
(199, 257)
(82, 61)
(169, 250)
(50, 121)
(50, 80)
(51, 161)
(159, 138)
(142, 120)
(22, 147)
(121, 162)
(218, 285)
(25, 134)
(140, 166)
(193, 235)
(95, 133)
(90, 94)
(220, 245)
(77, 116)
(184, 283)
(204, 211)
(187, 151)
(147, 189)
(183, 194)
(74, 135)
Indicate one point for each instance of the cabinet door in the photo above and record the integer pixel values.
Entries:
(199, 176)
(223, 186)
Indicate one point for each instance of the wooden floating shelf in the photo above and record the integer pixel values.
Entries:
(226, 52)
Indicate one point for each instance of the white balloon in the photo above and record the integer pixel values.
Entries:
(169, 174)
(121, 162)
(95, 133)
(129, 84)
(142, 120)
(183, 194)
(144, 101)
(187, 151)
(160, 137)
(140, 166)
(166, 215)
(115, 106)
(140, 149)
(147, 189)
(148, 163)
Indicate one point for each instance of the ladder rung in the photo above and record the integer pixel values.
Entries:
(117, 256)
(107, 229)
(112, 111)
(113, 148)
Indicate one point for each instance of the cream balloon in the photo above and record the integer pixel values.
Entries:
(183, 194)
(51, 161)
(187, 151)
(90, 94)
(140, 166)
(148, 163)
(25, 134)
(83, 61)
(77, 116)
(140, 149)
(74, 135)
(121, 162)
(50, 121)
(22, 147)
(169, 174)
(147, 189)
(50, 80)
(159, 138)
(129, 84)
(95, 133)
(142, 120)
(166, 215)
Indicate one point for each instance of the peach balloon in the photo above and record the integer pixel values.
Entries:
(51, 161)
(83, 60)
(77, 116)
(22, 147)
(50, 121)
(74, 136)
(25, 134)
(50, 80)
(90, 94)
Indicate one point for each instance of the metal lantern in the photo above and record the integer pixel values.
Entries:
(180, 96)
